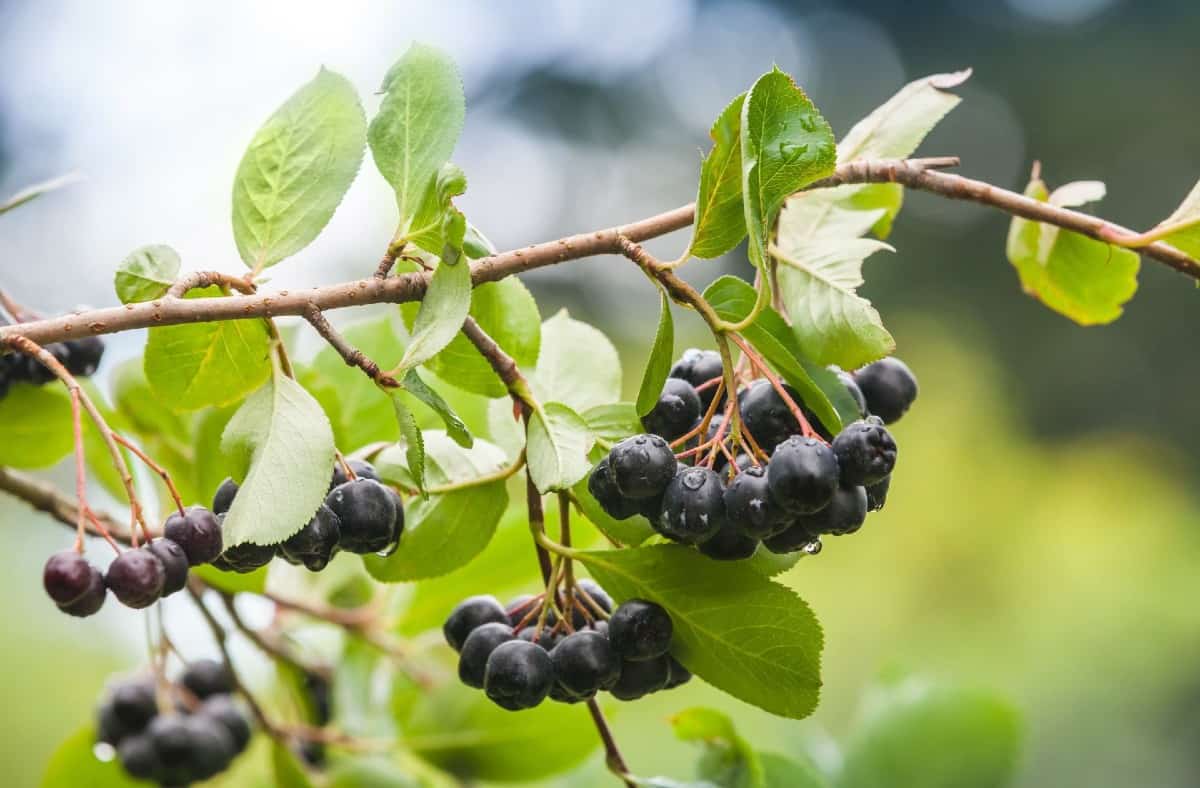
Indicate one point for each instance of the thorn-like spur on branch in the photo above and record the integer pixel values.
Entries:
(198, 279)
(350, 354)
(45, 497)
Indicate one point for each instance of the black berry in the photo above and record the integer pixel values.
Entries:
(699, 367)
(596, 593)
(67, 576)
(584, 663)
(212, 747)
(109, 729)
(37, 373)
(642, 466)
(641, 678)
(640, 630)
(223, 497)
(603, 488)
(889, 387)
(91, 601)
(519, 675)
(247, 557)
(172, 741)
(730, 544)
(174, 561)
(205, 678)
(693, 508)
(519, 608)
(473, 658)
(134, 704)
(855, 392)
(766, 416)
(794, 537)
(472, 613)
(802, 475)
(749, 507)
(877, 493)
(679, 675)
(677, 409)
(197, 531)
(139, 757)
(845, 513)
(83, 356)
(222, 709)
(362, 470)
(314, 545)
(366, 513)
(866, 452)
(136, 578)
(547, 638)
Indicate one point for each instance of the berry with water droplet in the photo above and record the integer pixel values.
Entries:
(640, 629)
(642, 466)
(677, 409)
(866, 452)
(693, 507)
(802, 475)
(889, 387)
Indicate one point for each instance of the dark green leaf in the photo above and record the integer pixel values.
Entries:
(720, 215)
(234, 582)
(297, 169)
(737, 630)
(446, 305)
(658, 365)
(74, 765)
(630, 532)
(414, 443)
(557, 445)
(455, 427)
(147, 273)
(729, 760)
(289, 771)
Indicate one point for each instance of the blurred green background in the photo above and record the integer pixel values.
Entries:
(1042, 532)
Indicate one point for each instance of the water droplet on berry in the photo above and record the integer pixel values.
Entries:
(812, 548)
(693, 480)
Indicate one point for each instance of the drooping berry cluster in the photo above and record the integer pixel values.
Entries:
(138, 577)
(359, 515)
(81, 357)
(782, 481)
(196, 737)
(503, 652)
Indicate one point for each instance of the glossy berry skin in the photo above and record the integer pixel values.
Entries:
(748, 505)
(802, 475)
(223, 497)
(693, 508)
(470, 614)
(198, 532)
(866, 452)
(584, 663)
(83, 356)
(223, 710)
(66, 577)
(889, 387)
(730, 544)
(91, 601)
(793, 538)
(642, 466)
(205, 678)
(547, 638)
(603, 488)
(139, 757)
(246, 557)
(473, 658)
(519, 675)
(677, 409)
(596, 593)
(766, 416)
(136, 578)
(697, 367)
(314, 545)
(641, 678)
(212, 747)
(366, 513)
(845, 514)
(174, 561)
(877, 494)
(362, 470)
(679, 675)
(639, 630)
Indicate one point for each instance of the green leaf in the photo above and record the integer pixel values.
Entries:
(195, 365)
(455, 427)
(895, 128)
(785, 145)
(720, 219)
(289, 771)
(729, 760)
(1182, 228)
(297, 169)
(233, 582)
(458, 729)
(733, 299)
(1083, 279)
(630, 532)
(281, 447)
(438, 224)
(658, 366)
(30, 193)
(508, 313)
(445, 530)
(446, 305)
(818, 281)
(781, 772)
(147, 273)
(612, 423)
(35, 426)
(737, 630)
(414, 443)
(476, 245)
(578, 366)
(74, 764)
(557, 445)
(417, 126)
(367, 771)
(934, 736)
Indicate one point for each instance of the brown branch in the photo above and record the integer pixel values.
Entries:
(612, 753)
(45, 497)
(350, 354)
(269, 643)
(200, 279)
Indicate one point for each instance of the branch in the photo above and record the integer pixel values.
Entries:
(350, 354)
(44, 497)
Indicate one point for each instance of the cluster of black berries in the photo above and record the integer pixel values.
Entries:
(502, 651)
(196, 740)
(360, 515)
(81, 357)
(808, 486)
(139, 577)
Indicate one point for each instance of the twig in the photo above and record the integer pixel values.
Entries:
(269, 644)
(155, 467)
(350, 354)
(44, 497)
(198, 279)
(612, 753)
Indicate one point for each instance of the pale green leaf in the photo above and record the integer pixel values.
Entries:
(35, 425)
(729, 760)
(658, 365)
(612, 423)
(818, 281)
(30, 193)
(1083, 279)
(74, 764)
(446, 305)
(785, 145)
(281, 447)
(476, 244)
(445, 530)
(577, 366)
(1069, 195)
(147, 273)
(720, 219)
(194, 365)
(557, 445)
(297, 169)
(438, 223)
(1182, 228)
(417, 126)
(737, 630)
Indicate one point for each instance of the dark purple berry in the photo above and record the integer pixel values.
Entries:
(139, 758)
(597, 595)
(174, 561)
(641, 678)
(766, 416)
(677, 409)
(877, 494)
(679, 675)
(212, 746)
(642, 466)
(794, 537)
(845, 514)
(225, 711)
(172, 742)
(693, 508)
(470, 614)
(366, 513)
(802, 475)
(584, 662)
(603, 488)
(856, 394)
(223, 497)
(866, 452)
(205, 678)
(83, 356)
(197, 531)
(67, 576)
(889, 387)
(640, 630)
(748, 505)
(91, 601)
(730, 544)
(472, 660)
(314, 545)
(134, 703)
(136, 578)
(362, 470)
(519, 608)
(518, 675)
(699, 367)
